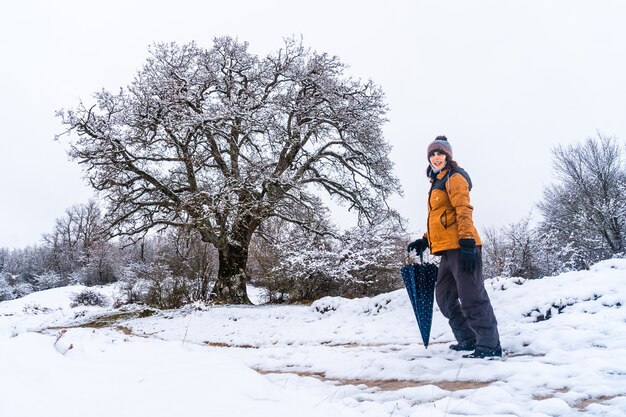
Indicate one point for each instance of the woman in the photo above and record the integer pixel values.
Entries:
(460, 291)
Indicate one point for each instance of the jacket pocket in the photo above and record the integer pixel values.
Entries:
(446, 219)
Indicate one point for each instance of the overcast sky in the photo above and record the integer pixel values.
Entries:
(505, 81)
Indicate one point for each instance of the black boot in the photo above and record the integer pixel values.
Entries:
(464, 345)
(485, 352)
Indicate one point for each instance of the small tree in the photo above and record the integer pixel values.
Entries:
(219, 140)
(512, 250)
(74, 239)
(103, 265)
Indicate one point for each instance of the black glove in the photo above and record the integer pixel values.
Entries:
(419, 245)
(468, 255)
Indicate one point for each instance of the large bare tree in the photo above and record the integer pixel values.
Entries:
(218, 140)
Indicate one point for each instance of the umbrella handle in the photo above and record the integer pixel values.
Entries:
(421, 252)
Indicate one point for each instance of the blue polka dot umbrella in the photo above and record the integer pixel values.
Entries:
(419, 280)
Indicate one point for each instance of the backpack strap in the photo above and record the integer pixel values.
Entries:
(444, 183)
(453, 171)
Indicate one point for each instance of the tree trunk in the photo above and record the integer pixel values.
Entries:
(230, 287)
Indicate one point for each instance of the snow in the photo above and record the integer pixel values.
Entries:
(564, 337)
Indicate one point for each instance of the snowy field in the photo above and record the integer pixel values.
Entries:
(564, 337)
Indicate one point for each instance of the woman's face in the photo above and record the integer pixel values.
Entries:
(437, 160)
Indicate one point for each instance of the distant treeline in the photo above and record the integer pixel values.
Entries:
(175, 267)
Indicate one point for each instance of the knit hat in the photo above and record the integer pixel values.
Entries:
(440, 144)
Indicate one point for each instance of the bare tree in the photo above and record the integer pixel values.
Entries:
(220, 140)
(512, 250)
(588, 205)
(74, 237)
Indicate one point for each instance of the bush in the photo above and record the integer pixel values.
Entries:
(300, 268)
(155, 285)
(89, 298)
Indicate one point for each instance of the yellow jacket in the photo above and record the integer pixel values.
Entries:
(450, 212)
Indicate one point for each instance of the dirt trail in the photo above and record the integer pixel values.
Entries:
(386, 385)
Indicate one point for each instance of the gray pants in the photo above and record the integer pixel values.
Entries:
(463, 300)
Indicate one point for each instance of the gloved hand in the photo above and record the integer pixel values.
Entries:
(468, 255)
(419, 245)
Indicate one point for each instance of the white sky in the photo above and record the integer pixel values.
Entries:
(201, 362)
(504, 80)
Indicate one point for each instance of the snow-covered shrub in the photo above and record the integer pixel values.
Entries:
(169, 292)
(154, 284)
(6, 289)
(372, 258)
(49, 279)
(133, 284)
(302, 267)
(15, 286)
(89, 298)
(326, 304)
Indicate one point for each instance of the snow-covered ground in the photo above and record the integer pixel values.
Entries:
(565, 339)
